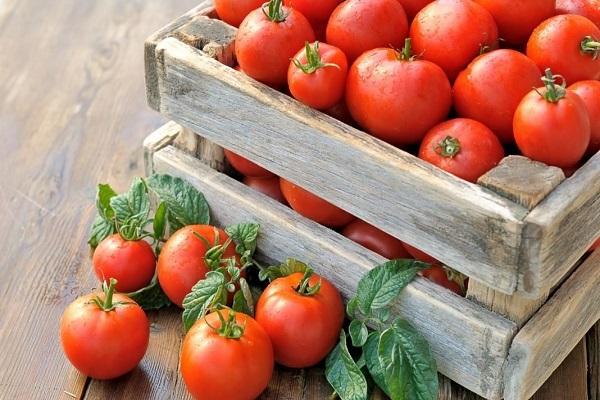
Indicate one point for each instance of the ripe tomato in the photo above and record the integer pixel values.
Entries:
(589, 92)
(509, 75)
(451, 33)
(317, 75)
(228, 357)
(265, 42)
(568, 45)
(234, 11)
(395, 97)
(586, 8)
(375, 240)
(341, 113)
(412, 7)
(130, 262)
(104, 335)
(419, 255)
(302, 318)
(439, 275)
(245, 166)
(317, 12)
(464, 147)
(356, 26)
(517, 19)
(314, 207)
(268, 186)
(181, 263)
(552, 125)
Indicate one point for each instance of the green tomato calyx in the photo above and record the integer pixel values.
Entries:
(313, 60)
(591, 46)
(107, 303)
(554, 93)
(448, 147)
(229, 327)
(274, 11)
(304, 288)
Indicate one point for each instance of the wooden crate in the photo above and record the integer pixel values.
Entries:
(475, 347)
(517, 234)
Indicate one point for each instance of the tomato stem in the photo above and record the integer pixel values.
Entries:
(273, 10)
(406, 53)
(304, 287)
(589, 45)
(448, 147)
(313, 60)
(229, 328)
(108, 289)
(554, 92)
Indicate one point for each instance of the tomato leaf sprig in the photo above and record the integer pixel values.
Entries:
(394, 354)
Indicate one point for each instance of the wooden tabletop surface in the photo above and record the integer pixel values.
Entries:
(72, 114)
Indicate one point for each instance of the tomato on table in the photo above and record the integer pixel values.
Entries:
(234, 11)
(245, 166)
(314, 207)
(226, 355)
(356, 26)
(464, 147)
(182, 262)
(552, 125)
(375, 240)
(419, 255)
(303, 315)
(569, 45)
(268, 186)
(586, 8)
(517, 19)
(317, 12)
(395, 96)
(451, 33)
(317, 75)
(439, 275)
(268, 38)
(131, 262)
(492, 86)
(589, 92)
(104, 335)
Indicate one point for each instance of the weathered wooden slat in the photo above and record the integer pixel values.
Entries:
(469, 342)
(593, 352)
(546, 340)
(561, 229)
(463, 225)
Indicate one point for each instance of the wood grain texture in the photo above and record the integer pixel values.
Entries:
(561, 229)
(469, 342)
(546, 340)
(593, 358)
(465, 226)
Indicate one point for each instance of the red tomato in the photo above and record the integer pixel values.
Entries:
(313, 207)
(226, 359)
(264, 44)
(131, 263)
(375, 240)
(234, 11)
(317, 75)
(569, 171)
(341, 113)
(245, 166)
(317, 12)
(412, 7)
(451, 33)
(568, 45)
(360, 25)
(419, 255)
(589, 92)
(303, 326)
(181, 263)
(439, 275)
(464, 147)
(268, 186)
(586, 8)
(395, 97)
(104, 335)
(509, 75)
(552, 126)
(517, 19)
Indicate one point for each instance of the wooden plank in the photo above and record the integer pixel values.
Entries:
(160, 138)
(561, 229)
(463, 225)
(545, 341)
(593, 355)
(469, 342)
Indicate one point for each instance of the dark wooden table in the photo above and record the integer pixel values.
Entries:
(73, 113)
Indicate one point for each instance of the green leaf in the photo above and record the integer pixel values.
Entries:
(371, 355)
(290, 266)
(245, 237)
(132, 207)
(358, 333)
(151, 297)
(243, 300)
(101, 229)
(351, 307)
(160, 220)
(343, 374)
(410, 369)
(384, 282)
(205, 294)
(104, 194)
(187, 206)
